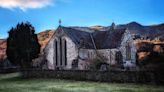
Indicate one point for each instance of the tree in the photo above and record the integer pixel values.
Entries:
(22, 45)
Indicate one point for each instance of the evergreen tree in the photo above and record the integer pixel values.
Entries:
(22, 45)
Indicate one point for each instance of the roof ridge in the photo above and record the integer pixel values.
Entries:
(76, 29)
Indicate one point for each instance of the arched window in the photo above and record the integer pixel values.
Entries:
(118, 57)
(88, 54)
(61, 45)
(60, 52)
(65, 51)
(55, 52)
(128, 52)
(75, 64)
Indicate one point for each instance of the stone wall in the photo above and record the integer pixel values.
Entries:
(49, 51)
(101, 76)
(72, 52)
(9, 70)
(109, 54)
(127, 39)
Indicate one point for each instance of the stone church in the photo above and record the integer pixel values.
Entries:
(77, 48)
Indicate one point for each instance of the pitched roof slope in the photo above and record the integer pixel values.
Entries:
(103, 39)
(108, 39)
(78, 36)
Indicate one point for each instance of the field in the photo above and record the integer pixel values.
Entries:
(13, 83)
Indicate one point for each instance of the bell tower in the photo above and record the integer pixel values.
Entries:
(60, 22)
(112, 27)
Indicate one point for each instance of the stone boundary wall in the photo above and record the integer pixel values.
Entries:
(151, 77)
(9, 70)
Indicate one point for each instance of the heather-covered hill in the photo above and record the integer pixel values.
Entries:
(43, 38)
(2, 49)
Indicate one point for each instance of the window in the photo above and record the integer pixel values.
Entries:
(88, 54)
(118, 57)
(60, 42)
(75, 64)
(65, 52)
(128, 52)
(60, 52)
(56, 57)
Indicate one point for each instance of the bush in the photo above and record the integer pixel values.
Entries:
(98, 63)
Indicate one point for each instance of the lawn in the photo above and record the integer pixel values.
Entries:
(13, 83)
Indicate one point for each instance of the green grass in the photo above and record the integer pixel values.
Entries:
(13, 83)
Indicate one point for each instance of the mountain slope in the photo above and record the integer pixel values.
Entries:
(43, 38)
(2, 48)
(152, 31)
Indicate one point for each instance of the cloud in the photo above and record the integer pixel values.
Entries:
(24, 4)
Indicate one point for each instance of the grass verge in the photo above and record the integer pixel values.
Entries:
(13, 83)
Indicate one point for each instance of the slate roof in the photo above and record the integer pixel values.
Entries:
(108, 39)
(103, 39)
(77, 36)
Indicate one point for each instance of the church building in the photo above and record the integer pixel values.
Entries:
(78, 47)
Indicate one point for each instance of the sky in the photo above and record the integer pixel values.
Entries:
(45, 14)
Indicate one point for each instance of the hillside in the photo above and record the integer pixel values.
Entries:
(43, 38)
(2, 48)
(151, 32)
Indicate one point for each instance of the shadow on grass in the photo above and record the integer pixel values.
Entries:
(33, 90)
(138, 90)
(125, 90)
